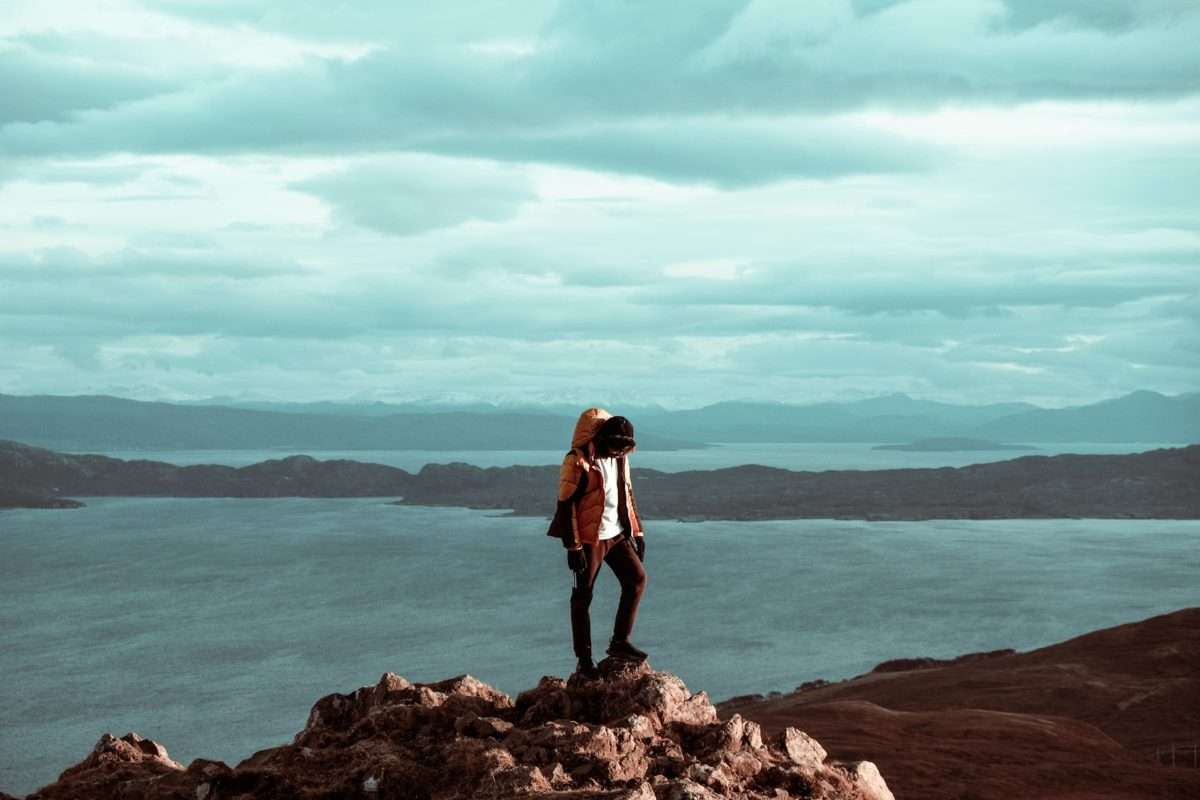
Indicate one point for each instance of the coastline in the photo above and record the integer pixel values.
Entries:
(1156, 484)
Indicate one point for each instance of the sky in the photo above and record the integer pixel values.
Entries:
(969, 201)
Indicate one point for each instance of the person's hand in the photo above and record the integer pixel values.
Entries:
(639, 544)
(576, 560)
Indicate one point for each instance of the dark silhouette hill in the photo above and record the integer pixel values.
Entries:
(1156, 484)
(1081, 718)
(20, 498)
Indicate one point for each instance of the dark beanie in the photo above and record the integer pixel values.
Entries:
(618, 430)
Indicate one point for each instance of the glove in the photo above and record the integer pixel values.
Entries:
(639, 544)
(577, 560)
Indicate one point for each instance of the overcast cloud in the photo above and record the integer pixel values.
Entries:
(965, 200)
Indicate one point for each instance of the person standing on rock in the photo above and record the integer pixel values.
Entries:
(596, 518)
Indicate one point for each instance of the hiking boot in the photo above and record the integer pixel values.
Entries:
(587, 669)
(624, 649)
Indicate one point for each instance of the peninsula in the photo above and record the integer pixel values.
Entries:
(1158, 484)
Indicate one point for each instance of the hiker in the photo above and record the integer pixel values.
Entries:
(597, 520)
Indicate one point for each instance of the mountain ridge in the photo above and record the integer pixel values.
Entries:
(1157, 484)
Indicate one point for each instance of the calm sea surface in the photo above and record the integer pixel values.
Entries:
(826, 455)
(213, 625)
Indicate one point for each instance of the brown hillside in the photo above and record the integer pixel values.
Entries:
(1081, 718)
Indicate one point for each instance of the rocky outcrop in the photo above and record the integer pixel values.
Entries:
(635, 734)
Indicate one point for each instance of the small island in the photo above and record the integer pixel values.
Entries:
(951, 444)
(15, 498)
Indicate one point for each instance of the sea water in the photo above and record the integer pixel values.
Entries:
(786, 455)
(213, 625)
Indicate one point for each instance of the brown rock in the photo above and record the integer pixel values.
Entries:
(744, 763)
(635, 734)
(870, 782)
(639, 725)
(731, 732)
(471, 724)
(665, 697)
(802, 749)
(473, 759)
(129, 747)
(752, 735)
(557, 776)
(131, 766)
(685, 789)
(521, 779)
(643, 791)
(548, 700)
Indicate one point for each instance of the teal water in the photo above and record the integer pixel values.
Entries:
(213, 625)
(798, 456)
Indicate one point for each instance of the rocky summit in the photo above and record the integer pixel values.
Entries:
(635, 734)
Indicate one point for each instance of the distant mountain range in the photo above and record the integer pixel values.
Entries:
(951, 444)
(101, 422)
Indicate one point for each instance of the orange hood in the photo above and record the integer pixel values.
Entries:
(588, 424)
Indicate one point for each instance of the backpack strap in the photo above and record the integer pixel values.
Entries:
(572, 475)
(573, 479)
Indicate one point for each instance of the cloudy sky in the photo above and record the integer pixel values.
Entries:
(964, 200)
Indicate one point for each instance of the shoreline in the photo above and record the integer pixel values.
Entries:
(78, 501)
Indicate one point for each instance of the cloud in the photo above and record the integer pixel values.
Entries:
(771, 56)
(604, 87)
(414, 25)
(966, 200)
(67, 264)
(406, 196)
(45, 88)
(725, 152)
(901, 291)
(1105, 15)
(89, 172)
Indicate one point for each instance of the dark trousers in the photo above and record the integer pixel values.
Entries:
(618, 552)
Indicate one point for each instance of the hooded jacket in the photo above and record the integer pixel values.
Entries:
(581, 488)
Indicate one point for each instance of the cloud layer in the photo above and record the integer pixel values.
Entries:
(967, 201)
